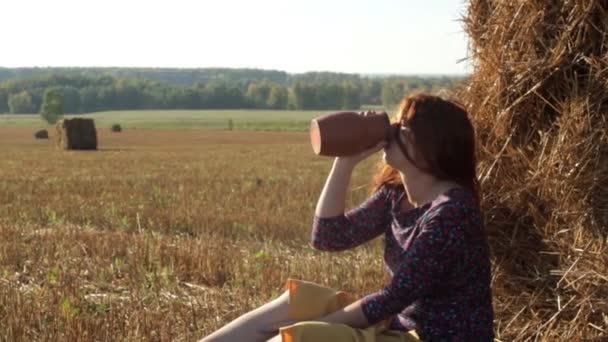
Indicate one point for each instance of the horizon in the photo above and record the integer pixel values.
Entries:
(351, 37)
(236, 68)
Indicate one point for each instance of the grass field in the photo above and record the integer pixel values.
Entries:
(268, 120)
(161, 234)
(184, 119)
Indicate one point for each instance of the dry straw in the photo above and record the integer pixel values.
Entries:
(41, 134)
(539, 99)
(76, 134)
(116, 128)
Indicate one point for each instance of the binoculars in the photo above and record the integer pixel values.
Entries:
(347, 133)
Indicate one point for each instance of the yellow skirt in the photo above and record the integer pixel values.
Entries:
(309, 300)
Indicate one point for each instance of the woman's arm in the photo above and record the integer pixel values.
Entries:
(333, 196)
(361, 224)
(332, 229)
(351, 315)
(441, 241)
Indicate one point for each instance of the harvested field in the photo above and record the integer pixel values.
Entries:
(160, 235)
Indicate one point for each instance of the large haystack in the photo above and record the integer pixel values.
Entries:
(539, 98)
(76, 134)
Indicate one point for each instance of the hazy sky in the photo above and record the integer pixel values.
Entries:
(372, 36)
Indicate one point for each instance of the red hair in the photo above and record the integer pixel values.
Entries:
(445, 139)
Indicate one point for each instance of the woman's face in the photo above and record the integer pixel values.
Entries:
(394, 157)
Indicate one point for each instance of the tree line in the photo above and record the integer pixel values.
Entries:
(82, 93)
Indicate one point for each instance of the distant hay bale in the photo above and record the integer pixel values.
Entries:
(41, 134)
(76, 134)
(539, 99)
(116, 128)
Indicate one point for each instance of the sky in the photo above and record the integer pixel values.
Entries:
(354, 36)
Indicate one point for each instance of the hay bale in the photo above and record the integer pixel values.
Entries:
(76, 134)
(539, 99)
(41, 134)
(116, 128)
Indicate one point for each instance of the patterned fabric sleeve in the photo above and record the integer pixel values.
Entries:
(358, 225)
(441, 240)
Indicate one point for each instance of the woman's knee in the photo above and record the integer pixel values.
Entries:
(284, 297)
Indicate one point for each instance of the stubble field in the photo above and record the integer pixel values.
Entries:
(161, 234)
(167, 234)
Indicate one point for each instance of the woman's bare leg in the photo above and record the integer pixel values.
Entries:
(252, 325)
(277, 338)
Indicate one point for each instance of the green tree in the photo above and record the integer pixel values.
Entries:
(71, 99)
(3, 101)
(328, 96)
(89, 102)
(304, 96)
(277, 99)
(351, 97)
(222, 96)
(95, 89)
(258, 94)
(21, 103)
(392, 93)
(52, 105)
(371, 92)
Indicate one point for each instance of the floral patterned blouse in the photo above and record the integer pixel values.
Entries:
(437, 256)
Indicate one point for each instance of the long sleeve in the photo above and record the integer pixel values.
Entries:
(358, 225)
(423, 266)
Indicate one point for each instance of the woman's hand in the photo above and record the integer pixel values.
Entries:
(333, 197)
(355, 159)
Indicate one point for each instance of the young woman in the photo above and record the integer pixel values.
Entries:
(426, 204)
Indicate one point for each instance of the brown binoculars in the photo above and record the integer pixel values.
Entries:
(347, 133)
